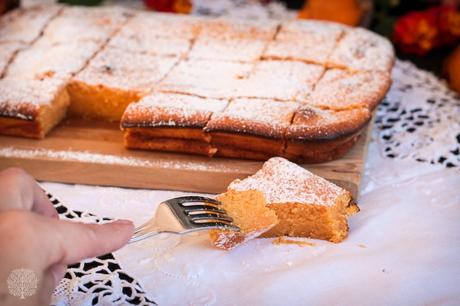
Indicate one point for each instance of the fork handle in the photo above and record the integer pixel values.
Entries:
(139, 237)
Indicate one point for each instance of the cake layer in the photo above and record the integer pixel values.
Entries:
(112, 80)
(341, 89)
(135, 139)
(318, 151)
(24, 25)
(249, 212)
(234, 40)
(31, 107)
(362, 50)
(309, 41)
(305, 204)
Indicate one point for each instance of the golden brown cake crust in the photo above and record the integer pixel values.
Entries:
(316, 124)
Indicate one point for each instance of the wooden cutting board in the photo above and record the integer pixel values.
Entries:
(92, 153)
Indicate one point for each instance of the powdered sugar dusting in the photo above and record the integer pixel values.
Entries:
(232, 40)
(81, 24)
(119, 69)
(53, 60)
(7, 51)
(20, 97)
(361, 49)
(284, 182)
(280, 80)
(98, 158)
(310, 41)
(341, 89)
(206, 78)
(246, 115)
(163, 109)
(25, 25)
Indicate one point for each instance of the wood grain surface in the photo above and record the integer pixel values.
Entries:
(92, 153)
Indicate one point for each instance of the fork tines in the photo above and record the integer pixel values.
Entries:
(203, 212)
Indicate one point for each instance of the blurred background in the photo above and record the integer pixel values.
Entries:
(426, 32)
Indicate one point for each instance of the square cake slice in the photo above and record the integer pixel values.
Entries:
(251, 128)
(170, 122)
(232, 40)
(319, 135)
(280, 80)
(77, 23)
(305, 204)
(7, 52)
(113, 79)
(52, 60)
(143, 34)
(341, 89)
(31, 107)
(361, 49)
(24, 25)
(249, 212)
(205, 78)
(309, 41)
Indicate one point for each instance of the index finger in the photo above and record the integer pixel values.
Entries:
(70, 242)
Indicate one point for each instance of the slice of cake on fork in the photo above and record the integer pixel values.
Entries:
(305, 205)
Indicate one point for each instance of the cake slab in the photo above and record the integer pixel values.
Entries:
(92, 153)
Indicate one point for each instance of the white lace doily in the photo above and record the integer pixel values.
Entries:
(419, 118)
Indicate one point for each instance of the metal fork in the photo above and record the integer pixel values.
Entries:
(185, 215)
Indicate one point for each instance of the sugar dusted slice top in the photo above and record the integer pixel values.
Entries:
(25, 24)
(171, 110)
(232, 40)
(311, 123)
(147, 33)
(166, 25)
(260, 117)
(116, 68)
(44, 60)
(205, 78)
(282, 181)
(361, 49)
(7, 51)
(81, 23)
(22, 98)
(310, 41)
(341, 89)
(280, 80)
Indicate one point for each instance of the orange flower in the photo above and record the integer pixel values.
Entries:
(420, 32)
(172, 6)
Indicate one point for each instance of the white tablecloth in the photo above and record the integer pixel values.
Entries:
(403, 247)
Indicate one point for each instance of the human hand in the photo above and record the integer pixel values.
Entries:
(33, 238)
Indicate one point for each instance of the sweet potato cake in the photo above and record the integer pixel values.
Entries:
(299, 89)
(306, 205)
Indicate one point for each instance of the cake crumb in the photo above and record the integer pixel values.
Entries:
(362, 246)
(284, 240)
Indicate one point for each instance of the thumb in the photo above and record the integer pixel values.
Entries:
(74, 242)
